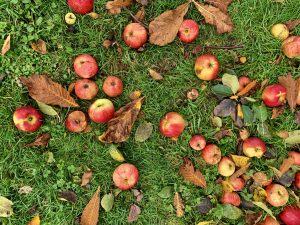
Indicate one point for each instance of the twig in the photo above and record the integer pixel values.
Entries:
(225, 47)
(134, 17)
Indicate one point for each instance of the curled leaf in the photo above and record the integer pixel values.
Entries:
(6, 46)
(292, 24)
(90, 214)
(116, 154)
(247, 88)
(86, 177)
(41, 141)
(39, 47)
(259, 194)
(114, 7)
(178, 204)
(139, 194)
(277, 111)
(253, 218)
(68, 196)
(223, 133)
(134, 213)
(239, 172)
(94, 15)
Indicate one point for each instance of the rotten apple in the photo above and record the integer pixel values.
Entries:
(238, 183)
(207, 67)
(101, 110)
(76, 121)
(297, 179)
(226, 167)
(274, 95)
(290, 215)
(211, 154)
(81, 6)
(231, 198)
(269, 221)
(85, 66)
(188, 31)
(27, 119)
(280, 31)
(197, 142)
(86, 89)
(254, 147)
(277, 195)
(291, 46)
(135, 35)
(172, 125)
(112, 86)
(125, 176)
(243, 81)
(296, 156)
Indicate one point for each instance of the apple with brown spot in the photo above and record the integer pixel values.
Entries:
(254, 147)
(274, 95)
(211, 154)
(112, 86)
(291, 46)
(76, 121)
(172, 125)
(231, 198)
(85, 66)
(207, 67)
(135, 35)
(277, 195)
(101, 111)
(86, 89)
(27, 119)
(125, 176)
(197, 142)
(188, 31)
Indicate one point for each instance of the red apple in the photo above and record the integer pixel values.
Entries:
(76, 121)
(112, 86)
(198, 142)
(101, 110)
(85, 66)
(243, 81)
(226, 167)
(274, 95)
(296, 156)
(135, 35)
(27, 119)
(188, 31)
(211, 154)
(291, 46)
(125, 176)
(238, 183)
(207, 67)
(298, 98)
(269, 221)
(231, 198)
(254, 147)
(86, 89)
(297, 180)
(277, 195)
(290, 215)
(81, 6)
(172, 125)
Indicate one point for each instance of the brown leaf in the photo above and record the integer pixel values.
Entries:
(292, 87)
(68, 196)
(263, 84)
(292, 24)
(253, 218)
(107, 43)
(5, 46)
(39, 46)
(278, 59)
(43, 89)
(135, 95)
(239, 172)
(223, 133)
(90, 214)
(277, 111)
(248, 88)
(297, 117)
(283, 134)
(221, 4)
(139, 194)
(260, 178)
(140, 15)
(164, 28)
(189, 173)
(244, 134)
(286, 165)
(143, 2)
(86, 177)
(192, 94)
(71, 87)
(42, 141)
(114, 7)
(155, 75)
(178, 204)
(134, 213)
(120, 127)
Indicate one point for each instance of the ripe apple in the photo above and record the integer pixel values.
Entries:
(280, 31)
(226, 167)
(269, 221)
(101, 110)
(85, 66)
(297, 180)
(274, 95)
(86, 89)
(125, 176)
(135, 35)
(198, 142)
(254, 147)
(188, 31)
(290, 215)
(27, 119)
(231, 198)
(262, 178)
(291, 46)
(81, 6)
(296, 156)
(70, 18)
(238, 183)
(243, 81)
(207, 67)
(277, 195)
(211, 154)
(112, 86)
(76, 121)
(172, 125)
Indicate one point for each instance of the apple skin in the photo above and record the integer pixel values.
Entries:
(101, 110)
(135, 35)
(226, 167)
(280, 31)
(27, 119)
(207, 67)
(243, 81)
(81, 6)
(86, 89)
(298, 98)
(112, 86)
(85, 66)
(125, 176)
(290, 215)
(172, 125)
(277, 195)
(238, 183)
(269, 221)
(198, 142)
(76, 121)
(211, 154)
(188, 31)
(297, 180)
(291, 46)
(274, 95)
(296, 156)
(254, 147)
(231, 198)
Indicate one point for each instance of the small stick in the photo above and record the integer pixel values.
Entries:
(134, 17)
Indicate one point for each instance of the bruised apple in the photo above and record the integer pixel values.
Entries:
(198, 142)
(188, 31)
(101, 110)
(76, 121)
(135, 35)
(27, 119)
(81, 6)
(296, 156)
(277, 195)
(269, 221)
(231, 198)
(254, 147)
(290, 215)
(85, 66)
(172, 125)
(274, 95)
(207, 67)
(211, 154)
(125, 176)
(238, 183)
(280, 31)
(86, 89)
(226, 167)
(291, 46)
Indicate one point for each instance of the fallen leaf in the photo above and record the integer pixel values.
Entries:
(43, 89)
(240, 161)
(164, 28)
(143, 2)
(46, 109)
(286, 179)
(68, 196)
(221, 4)
(94, 15)
(231, 212)
(225, 108)
(143, 132)
(248, 88)
(260, 178)
(205, 206)
(86, 177)
(221, 90)
(155, 75)
(278, 59)
(205, 222)
(239, 172)
(261, 112)
(231, 81)
(253, 218)
(263, 84)
(116, 192)
(39, 46)
(227, 186)
(296, 197)
(6, 46)
(283, 134)
(277, 111)
(286, 165)
(135, 95)
(192, 94)
(292, 24)
(134, 213)
(41, 141)
(71, 87)
(166, 192)
(264, 130)
(25, 190)
(5, 207)
(107, 202)
(292, 87)
(265, 208)
(115, 153)
(107, 43)
(259, 194)
(90, 214)
(178, 204)
(223, 133)
(35, 221)
(297, 117)
(140, 15)
(138, 194)
(244, 134)
(114, 7)
(293, 137)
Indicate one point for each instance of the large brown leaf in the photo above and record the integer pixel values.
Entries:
(90, 214)
(41, 141)
(221, 4)
(178, 204)
(41, 88)
(114, 7)
(164, 28)
(292, 24)
(120, 127)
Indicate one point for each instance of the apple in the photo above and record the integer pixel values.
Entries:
(70, 18)
(125, 176)
(101, 110)
(76, 121)
(291, 46)
(112, 86)
(231, 198)
(243, 81)
(296, 156)
(226, 167)
(280, 31)
(290, 215)
(238, 183)
(85, 66)
(274, 95)
(198, 142)
(86, 89)
(207, 67)
(81, 6)
(297, 179)
(27, 119)
(262, 178)
(135, 35)
(277, 195)
(211, 154)
(188, 31)
(298, 98)
(254, 147)
(269, 221)
(172, 125)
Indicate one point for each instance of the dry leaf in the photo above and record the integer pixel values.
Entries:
(292, 24)
(248, 88)
(253, 218)
(263, 84)
(120, 127)
(90, 214)
(260, 178)
(41, 141)
(239, 172)
(135, 95)
(178, 204)
(86, 177)
(297, 117)
(240, 161)
(140, 15)
(134, 213)
(107, 43)
(283, 134)
(71, 87)
(244, 134)
(143, 2)
(68, 196)
(39, 47)
(292, 87)
(5, 46)
(25, 190)
(222, 133)
(138, 194)
(192, 94)
(286, 165)
(277, 111)
(35, 221)
(164, 28)
(221, 4)
(94, 15)
(43, 89)
(114, 7)
(259, 194)
(227, 186)
(155, 75)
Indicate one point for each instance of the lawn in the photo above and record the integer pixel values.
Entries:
(158, 159)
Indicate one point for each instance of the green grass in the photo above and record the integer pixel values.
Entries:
(158, 159)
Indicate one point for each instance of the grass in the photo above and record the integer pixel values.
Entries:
(158, 159)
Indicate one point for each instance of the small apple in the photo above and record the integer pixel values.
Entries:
(277, 195)
(172, 125)
(280, 31)
(291, 46)
(85, 66)
(188, 31)
(274, 95)
(76, 121)
(125, 176)
(112, 86)
(290, 215)
(27, 119)
(86, 89)
(207, 67)
(135, 35)
(243, 81)
(101, 110)
(81, 6)
(238, 183)
(70, 18)
(231, 198)
(211, 154)
(254, 147)
(269, 221)
(198, 142)
(296, 156)
(261, 178)
(226, 167)
(297, 179)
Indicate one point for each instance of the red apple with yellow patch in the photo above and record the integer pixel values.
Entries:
(238, 183)
(291, 46)
(112, 86)
(277, 195)
(226, 167)
(188, 31)
(207, 67)
(211, 154)
(296, 156)
(76, 121)
(27, 119)
(172, 125)
(101, 111)
(85, 66)
(125, 176)
(254, 147)
(86, 89)
(198, 142)
(231, 198)
(81, 6)
(274, 95)
(135, 35)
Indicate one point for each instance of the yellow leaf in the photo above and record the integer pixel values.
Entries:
(240, 161)
(94, 15)
(227, 186)
(259, 194)
(264, 207)
(6, 46)
(206, 222)
(240, 111)
(35, 221)
(178, 204)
